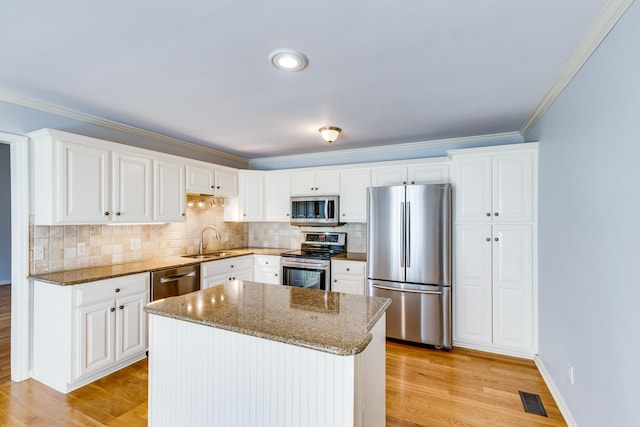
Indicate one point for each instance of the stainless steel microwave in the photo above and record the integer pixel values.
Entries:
(315, 211)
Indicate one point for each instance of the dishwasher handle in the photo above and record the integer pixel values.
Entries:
(176, 277)
(411, 291)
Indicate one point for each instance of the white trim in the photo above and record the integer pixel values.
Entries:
(20, 290)
(609, 16)
(490, 348)
(110, 124)
(562, 405)
(395, 149)
(493, 149)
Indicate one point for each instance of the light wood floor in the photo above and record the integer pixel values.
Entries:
(424, 388)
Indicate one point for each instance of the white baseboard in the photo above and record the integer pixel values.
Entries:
(494, 349)
(564, 409)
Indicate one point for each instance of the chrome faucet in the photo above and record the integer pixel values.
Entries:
(208, 227)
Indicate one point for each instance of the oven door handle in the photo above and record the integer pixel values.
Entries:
(323, 265)
(176, 277)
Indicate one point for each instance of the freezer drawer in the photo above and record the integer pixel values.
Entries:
(418, 313)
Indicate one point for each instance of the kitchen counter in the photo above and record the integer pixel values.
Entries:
(246, 353)
(351, 256)
(333, 322)
(85, 275)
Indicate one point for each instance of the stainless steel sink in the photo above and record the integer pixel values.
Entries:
(210, 255)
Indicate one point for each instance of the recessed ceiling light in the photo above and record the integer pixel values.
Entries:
(288, 60)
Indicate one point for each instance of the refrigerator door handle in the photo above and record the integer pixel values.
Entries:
(408, 234)
(326, 209)
(411, 291)
(403, 237)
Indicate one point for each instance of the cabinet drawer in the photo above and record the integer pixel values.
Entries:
(224, 265)
(268, 262)
(355, 268)
(109, 289)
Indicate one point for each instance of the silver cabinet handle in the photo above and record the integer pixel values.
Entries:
(176, 277)
(411, 291)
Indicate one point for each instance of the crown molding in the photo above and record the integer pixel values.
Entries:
(395, 149)
(110, 124)
(608, 17)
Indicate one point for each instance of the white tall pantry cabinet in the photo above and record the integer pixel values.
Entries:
(495, 205)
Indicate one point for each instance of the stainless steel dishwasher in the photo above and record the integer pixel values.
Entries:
(175, 281)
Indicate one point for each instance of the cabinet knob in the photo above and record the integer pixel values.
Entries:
(106, 213)
(311, 188)
(183, 214)
(404, 182)
(276, 274)
(117, 289)
(344, 214)
(316, 188)
(348, 269)
(266, 262)
(496, 239)
(488, 214)
(488, 239)
(213, 186)
(117, 213)
(413, 182)
(218, 187)
(287, 214)
(121, 307)
(244, 214)
(112, 309)
(496, 214)
(231, 265)
(335, 280)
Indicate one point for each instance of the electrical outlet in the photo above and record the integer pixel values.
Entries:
(81, 249)
(570, 373)
(134, 243)
(38, 253)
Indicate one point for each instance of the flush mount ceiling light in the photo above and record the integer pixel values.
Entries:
(329, 133)
(288, 60)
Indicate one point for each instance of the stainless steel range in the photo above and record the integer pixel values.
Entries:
(310, 267)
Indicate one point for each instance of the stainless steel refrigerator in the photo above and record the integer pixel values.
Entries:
(409, 259)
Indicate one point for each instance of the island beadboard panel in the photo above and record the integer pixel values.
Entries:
(102, 245)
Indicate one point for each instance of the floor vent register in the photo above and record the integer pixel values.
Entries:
(532, 403)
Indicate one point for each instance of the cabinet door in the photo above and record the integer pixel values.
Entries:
(131, 325)
(472, 283)
(95, 340)
(513, 187)
(303, 183)
(200, 178)
(226, 183)
(215, 279)
(429, 174)
(353, 195)
(328, 182)
(473, 189)
(84, 184)
(388, 175)
(347, 284)
(169, 192)
(251, 197)
(266, 269)
(513, 286)
(278, 197)
(242, 274)
(131, 188)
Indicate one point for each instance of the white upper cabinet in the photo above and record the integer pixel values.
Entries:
(225, 182)
(496, 188)
(200, 178)
(353, 194)
(435, 171)
(315, 183)
(83, 174)
(251, 207)
(131, 188)
(278, 196)
(169, 191)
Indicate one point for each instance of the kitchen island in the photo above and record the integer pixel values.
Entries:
(251, 354)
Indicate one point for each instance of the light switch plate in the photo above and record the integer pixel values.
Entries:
(38, 253)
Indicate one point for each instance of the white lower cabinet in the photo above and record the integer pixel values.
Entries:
(493, 286)
(348, 277)
(266, 269)
(221, 271)
(87, 331)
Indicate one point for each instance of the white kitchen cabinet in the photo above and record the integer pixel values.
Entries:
(131, 187)
(494, 188)
(348, 277)
(207, 178)
(431, 172)
(169, 191)
(278, 197)
(225, 181)
(251, 196)
(221, 271)
(353, 194)
(493, 290)
(325, 182)
(267, 269)
(87, 331)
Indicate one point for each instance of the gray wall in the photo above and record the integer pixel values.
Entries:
(5, 214)
(589, 233)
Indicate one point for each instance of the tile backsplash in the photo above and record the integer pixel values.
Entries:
(79, 246)
(284, 235)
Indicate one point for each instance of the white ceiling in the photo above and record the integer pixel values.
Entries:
(385, 71)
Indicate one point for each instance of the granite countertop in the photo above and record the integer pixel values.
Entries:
(351, 256)
(84, 275)
(331, 322)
